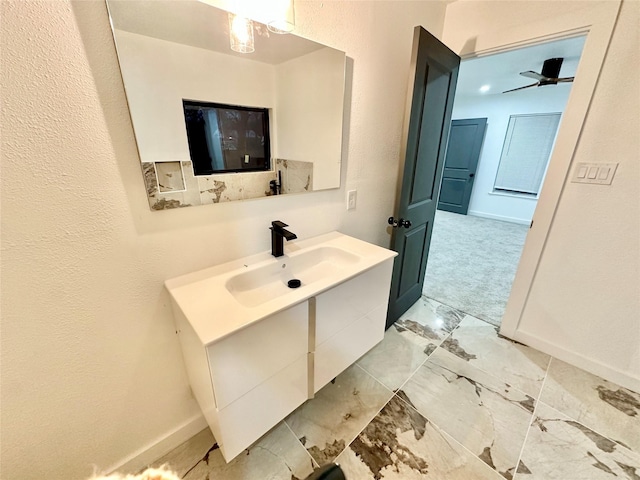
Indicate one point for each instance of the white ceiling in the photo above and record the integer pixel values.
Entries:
(502, 71)
(200, 25)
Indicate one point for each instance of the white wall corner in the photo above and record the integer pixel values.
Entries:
(519, 221)
(591, 365)
(151, 452)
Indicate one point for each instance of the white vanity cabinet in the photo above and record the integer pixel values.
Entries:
(349, 321)
(255, 350)
(248, 382)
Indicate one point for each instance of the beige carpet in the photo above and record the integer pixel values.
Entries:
(472, 263)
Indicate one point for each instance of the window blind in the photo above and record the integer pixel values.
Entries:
(525, 153)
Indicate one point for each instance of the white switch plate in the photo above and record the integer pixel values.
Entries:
(351, 199)
(596, 173)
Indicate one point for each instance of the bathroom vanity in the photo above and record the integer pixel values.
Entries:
(256, 349)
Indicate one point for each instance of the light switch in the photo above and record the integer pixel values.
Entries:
(246, 159)
(595, 173)
(603, 173)
(582, 172)
(351, 199)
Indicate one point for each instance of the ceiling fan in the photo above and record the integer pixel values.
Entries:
(549, 75)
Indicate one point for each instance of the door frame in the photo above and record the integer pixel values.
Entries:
(597, 23)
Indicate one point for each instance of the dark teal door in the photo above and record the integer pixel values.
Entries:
(463, 152)
(433, 76)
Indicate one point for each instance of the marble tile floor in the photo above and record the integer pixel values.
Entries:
(444, 397)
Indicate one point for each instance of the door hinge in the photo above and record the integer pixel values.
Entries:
(531, 224)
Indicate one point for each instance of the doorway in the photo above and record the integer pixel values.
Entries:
(474, 257)
(461, 162)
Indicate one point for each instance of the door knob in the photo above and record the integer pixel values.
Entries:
(471, 175)
(399, 223)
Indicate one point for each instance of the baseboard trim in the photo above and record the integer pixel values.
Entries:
(161, 446)
(595, 367)
(520, 221)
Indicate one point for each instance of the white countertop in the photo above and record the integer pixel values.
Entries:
(215, 313)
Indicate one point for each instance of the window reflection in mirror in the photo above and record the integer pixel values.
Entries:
(227, 138)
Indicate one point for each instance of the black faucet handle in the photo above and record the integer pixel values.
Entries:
(278, 224)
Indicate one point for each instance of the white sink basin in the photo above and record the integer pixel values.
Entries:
(267, 282)
(219, 300)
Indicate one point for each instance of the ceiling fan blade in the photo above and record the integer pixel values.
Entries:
(534, 75)
(565, 79)
(521, 88)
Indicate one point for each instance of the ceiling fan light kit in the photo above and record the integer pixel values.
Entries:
(551, 67)
(549, 76)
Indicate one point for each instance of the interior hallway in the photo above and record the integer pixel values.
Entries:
(444, 396)
(472, 263)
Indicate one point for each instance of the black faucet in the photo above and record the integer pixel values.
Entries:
(278, 233)
(276, 185)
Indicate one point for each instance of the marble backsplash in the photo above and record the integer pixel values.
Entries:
(174, 185)
(297, 176)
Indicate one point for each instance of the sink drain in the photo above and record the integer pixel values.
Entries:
(295, 283)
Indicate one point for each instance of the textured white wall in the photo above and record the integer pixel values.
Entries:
(586, 295)
(497, 109)
(585, 298)
(91, 367)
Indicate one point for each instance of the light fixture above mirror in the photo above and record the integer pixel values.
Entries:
(241, 33)
(279, 16)
(284, 17)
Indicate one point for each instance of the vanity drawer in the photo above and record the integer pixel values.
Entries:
(246, 359)
(343, 349)
(254, 414)
(349, 301)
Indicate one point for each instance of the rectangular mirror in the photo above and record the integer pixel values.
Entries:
(213, 125)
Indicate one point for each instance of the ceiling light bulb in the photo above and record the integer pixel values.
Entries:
(241, 34)
(485, 88)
